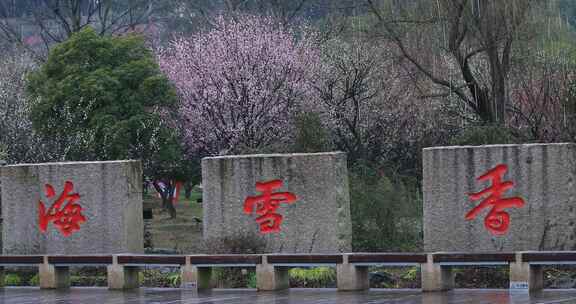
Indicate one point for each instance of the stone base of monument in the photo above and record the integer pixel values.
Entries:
(270, 277)
(524, 276)
(194, 277)
(121, 277)
(351, 277)
(52, 276)
(436, 277)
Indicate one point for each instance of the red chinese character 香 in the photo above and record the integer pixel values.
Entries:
(498, 220)
(67, 219)
(266, 205)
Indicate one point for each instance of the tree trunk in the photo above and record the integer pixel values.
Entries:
(498, 98)
(188, 190)
(169, 206)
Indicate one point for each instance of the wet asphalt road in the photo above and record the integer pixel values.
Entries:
(15, 295)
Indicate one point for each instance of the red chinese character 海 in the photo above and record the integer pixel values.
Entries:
(266, 205)
(67, 219)
(497, 220)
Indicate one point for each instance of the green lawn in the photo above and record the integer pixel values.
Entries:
(184, 233)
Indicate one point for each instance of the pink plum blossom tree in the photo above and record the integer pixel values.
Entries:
(240, 82)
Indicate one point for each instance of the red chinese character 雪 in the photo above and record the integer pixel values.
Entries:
(266, 205)
(67, 219)
(498, 220)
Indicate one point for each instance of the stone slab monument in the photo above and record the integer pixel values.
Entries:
(296, 203)
(72, 208)
(500, 198)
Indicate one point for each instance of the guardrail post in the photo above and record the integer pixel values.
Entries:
(122, 277)
(270, 277)
(188, 276)
(2, 163)
(53, 277)
(195, 277)
(525, 276)
(436, 277)
(351, 277)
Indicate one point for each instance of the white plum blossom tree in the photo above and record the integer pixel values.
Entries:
(18, 142)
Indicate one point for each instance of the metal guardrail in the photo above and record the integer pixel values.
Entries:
(271, 269)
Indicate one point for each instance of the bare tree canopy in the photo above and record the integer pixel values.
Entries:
(476, 47)
(37, 24)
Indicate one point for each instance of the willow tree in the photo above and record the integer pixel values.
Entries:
(473, 46)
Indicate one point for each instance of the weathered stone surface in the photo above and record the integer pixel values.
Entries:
(110, 195)
(543, 176)
(319, 221)
(436, 277)
(350, 277)
(52, 277)
(271, 278)
(121, 277)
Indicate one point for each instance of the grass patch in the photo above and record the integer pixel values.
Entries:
(182, 234)
(317, 277)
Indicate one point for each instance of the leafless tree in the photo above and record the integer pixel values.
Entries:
(202, 11)
(365, 98)
(477, 45)
(56, 20)
(542, 105)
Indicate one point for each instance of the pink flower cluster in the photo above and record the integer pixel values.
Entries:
(240, 82)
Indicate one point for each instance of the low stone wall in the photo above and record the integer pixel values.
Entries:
(313, 200)
(72, 208)
(529, 202)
